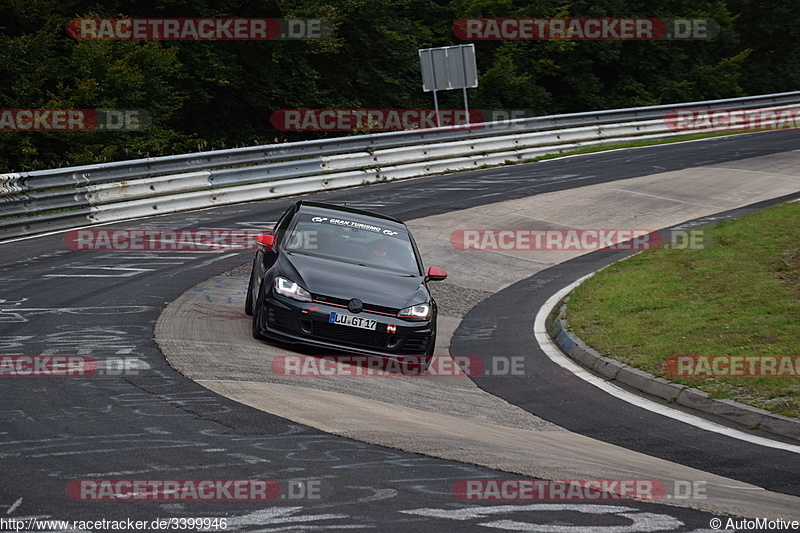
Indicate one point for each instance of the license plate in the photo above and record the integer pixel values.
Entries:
(353, 321)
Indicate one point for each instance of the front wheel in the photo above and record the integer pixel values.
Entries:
(258, 312)
(248, 301)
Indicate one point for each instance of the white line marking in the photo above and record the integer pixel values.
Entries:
(213, 260)
(514, 213)
(556, 355)
(14, 506)
(755, 172)
(124, 272)
(664, 198)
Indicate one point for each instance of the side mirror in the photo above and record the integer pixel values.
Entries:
(266, 241)
(435, 274)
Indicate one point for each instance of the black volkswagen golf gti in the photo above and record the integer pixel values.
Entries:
(346, 280)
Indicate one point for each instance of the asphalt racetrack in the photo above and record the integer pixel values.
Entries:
(198, 399)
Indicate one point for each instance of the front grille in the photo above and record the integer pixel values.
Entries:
(367, 307)
(284, 320)
(348, 335)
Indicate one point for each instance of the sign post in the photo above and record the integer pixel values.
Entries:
(448, 68)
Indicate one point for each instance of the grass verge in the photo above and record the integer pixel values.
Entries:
(738, 296)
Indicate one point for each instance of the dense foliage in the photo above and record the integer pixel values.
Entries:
(218, 94)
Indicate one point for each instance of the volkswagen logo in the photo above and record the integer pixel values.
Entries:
(355, 305)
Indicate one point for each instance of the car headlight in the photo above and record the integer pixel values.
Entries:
(416, 312)
(290, 289)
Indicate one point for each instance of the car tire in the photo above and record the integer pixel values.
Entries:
(258, 310)
(248, 301)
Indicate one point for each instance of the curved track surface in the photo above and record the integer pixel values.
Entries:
(160, 425)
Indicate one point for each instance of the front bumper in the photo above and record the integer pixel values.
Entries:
(308, 323)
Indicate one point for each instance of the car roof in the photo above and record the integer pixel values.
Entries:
(319, 207)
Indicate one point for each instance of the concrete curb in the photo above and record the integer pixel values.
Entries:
(613, 370)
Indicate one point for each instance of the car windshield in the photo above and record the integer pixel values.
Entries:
(364, 243)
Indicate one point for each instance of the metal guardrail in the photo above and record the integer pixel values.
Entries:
(36, 202)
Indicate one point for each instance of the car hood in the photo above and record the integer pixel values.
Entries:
(344, 280)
